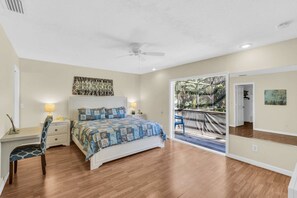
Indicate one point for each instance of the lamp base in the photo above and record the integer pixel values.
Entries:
(12, 132)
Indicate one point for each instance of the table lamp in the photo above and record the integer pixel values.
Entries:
(133, 106)
(49, 108)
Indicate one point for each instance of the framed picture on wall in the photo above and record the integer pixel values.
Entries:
(275, 97)
(92, 86)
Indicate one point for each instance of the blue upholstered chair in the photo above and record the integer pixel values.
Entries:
(30, 150)
(179, 120)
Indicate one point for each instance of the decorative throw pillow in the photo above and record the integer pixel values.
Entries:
(91, 114)
(119, 112)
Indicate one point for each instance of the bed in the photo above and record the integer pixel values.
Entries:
(105, 140)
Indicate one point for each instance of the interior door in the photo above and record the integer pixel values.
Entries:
(239, 105)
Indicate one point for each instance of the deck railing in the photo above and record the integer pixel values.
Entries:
(206, 121)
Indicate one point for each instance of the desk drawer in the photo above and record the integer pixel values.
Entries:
(57, 129)
(57, 140)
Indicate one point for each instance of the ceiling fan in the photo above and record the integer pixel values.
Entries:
(135, 50)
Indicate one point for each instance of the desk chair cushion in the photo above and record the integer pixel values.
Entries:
(26, 151)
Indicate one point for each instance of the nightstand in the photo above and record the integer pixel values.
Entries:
(58, 133)
(140, 116)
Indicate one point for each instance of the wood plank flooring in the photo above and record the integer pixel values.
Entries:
(178, 170)
(247, 131)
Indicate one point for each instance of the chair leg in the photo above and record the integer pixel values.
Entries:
(15, 166)
(43, 164)
(183, 129)
(10, 172)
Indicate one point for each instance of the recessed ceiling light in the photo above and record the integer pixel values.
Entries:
(284, 25)
(245, 46)
(154, 69)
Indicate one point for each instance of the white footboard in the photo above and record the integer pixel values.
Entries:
(292, 189)
(122, 150)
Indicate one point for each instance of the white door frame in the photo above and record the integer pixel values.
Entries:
(16, 96)
(235, 99)
(171, 105)
(239, 105)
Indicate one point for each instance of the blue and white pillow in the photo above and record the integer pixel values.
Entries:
(119, 112)
(85, 114)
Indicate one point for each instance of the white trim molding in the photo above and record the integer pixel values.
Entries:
(276, 132)
(292, 189)
(265, 71)
(261, 164)
(2, 183)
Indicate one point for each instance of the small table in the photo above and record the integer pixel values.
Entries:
(10, 142)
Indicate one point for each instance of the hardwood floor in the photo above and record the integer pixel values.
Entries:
(178, 170)
(247, 131)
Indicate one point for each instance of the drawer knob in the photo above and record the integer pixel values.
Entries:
(56, 129)
(56, 139)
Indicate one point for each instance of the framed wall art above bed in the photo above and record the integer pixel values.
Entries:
(92, 86)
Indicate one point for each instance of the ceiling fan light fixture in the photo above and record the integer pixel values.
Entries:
(246, 45)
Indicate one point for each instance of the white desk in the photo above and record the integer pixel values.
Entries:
(10, 142)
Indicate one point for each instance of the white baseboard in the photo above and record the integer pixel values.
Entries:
(2, 183)
(276, 132)
(292, 189)
(261, 164)
(231, 125)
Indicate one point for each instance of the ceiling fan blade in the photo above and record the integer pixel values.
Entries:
(154, 53)
(114, 38)
(124, 55)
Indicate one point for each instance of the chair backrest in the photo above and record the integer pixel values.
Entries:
(46, 124)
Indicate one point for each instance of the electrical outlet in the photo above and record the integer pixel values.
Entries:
(255, 148)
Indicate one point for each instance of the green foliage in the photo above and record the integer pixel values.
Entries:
(203, 93)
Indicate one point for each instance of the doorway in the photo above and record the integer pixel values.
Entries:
(244, 107)
(199, 112)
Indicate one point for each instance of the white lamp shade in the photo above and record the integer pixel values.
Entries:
(49, 108)
(133, 105)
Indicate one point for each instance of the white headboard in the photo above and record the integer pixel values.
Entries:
(76, 102)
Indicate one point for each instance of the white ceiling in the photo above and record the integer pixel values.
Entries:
(95, 33)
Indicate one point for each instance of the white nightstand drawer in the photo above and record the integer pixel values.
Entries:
(57, 129)
(57, 139)
(58, 133)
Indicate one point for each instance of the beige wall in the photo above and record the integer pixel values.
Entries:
(270, 117)
(8, 59)
(43, 82)
(278, 155)
(155, 86)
